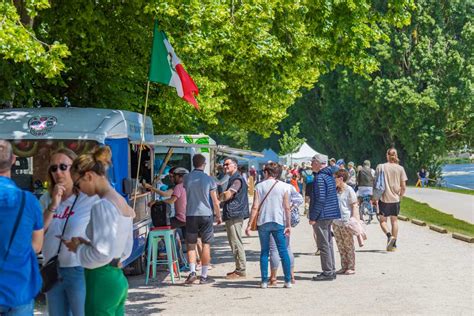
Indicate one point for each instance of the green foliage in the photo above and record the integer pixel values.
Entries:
(19, 44)
(420, 100)
(290, 142)
(250, 59)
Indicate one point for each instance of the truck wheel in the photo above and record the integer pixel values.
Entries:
(137, 266)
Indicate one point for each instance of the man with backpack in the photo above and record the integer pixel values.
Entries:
(21, 224)
(307, 176)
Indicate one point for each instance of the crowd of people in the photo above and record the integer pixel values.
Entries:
(85, 226)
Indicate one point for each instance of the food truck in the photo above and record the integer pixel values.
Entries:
(183, 148)
(36, 132)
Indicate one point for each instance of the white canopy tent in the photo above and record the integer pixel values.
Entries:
(303, 154)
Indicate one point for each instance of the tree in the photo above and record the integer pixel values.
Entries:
(250, 59)
(420, 100)
(290, 142)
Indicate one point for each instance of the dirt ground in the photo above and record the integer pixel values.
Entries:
(430, 273)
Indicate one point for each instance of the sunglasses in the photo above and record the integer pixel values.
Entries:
(227, 164)
(61, 166)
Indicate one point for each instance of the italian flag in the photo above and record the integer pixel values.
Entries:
(166, 68)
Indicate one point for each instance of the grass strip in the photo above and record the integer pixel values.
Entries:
(424, 212)
(463, 191)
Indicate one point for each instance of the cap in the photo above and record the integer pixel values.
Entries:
(351, 163)
(340, 162)
(319, 158)
(181, 170)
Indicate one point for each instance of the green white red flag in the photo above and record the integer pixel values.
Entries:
(166, 68)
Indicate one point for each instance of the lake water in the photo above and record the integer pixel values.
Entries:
(459, 176)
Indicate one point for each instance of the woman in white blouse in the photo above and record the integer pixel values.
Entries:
(109, 236)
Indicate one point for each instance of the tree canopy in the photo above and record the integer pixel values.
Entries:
(420, 100)
(250, 59)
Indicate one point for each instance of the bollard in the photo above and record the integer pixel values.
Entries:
(418, 222)
(462, 237)
(403, 218)
(438, 229)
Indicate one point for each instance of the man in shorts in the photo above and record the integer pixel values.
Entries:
(201, 194)
(389, 203)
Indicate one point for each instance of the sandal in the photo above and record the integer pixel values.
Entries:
(349, 272)
(342, 271)
(293, 281)
(273, 282)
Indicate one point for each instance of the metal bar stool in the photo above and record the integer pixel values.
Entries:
(168, 236)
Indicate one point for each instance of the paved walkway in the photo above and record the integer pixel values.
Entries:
(430, 273)
(460, 205)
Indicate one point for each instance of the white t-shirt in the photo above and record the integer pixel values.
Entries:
(76, 227)
(272, 209)
(346, 198)
(110, 234)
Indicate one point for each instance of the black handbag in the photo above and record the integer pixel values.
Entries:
(50, 271)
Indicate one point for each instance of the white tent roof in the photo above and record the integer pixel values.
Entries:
(304, 154)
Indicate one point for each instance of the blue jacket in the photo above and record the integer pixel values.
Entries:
(324, 204)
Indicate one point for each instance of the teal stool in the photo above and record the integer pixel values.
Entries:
(167, 235)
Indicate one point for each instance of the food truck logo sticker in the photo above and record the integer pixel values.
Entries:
(41, 125)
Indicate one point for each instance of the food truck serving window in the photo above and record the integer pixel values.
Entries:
(30, 172)
(145, 174)
(176, 160)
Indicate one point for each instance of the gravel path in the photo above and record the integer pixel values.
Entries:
(430, 273)
(458, 204)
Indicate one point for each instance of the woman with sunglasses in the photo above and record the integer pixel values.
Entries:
(109, 236)
(69, 294)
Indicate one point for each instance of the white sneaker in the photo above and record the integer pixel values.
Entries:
(264, 285)
(390, 243)
(288, 285)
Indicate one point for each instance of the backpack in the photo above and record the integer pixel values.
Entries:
(309, 178)
(379, 185)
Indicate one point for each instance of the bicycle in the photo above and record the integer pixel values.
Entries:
(366, 209)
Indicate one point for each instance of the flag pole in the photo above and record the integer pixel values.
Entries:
(142, 138)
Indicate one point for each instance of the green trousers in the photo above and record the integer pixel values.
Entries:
(106, 291)
(234, 235)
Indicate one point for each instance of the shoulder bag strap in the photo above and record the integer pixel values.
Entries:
(17, 223)
(67, 220)
(265, 197)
